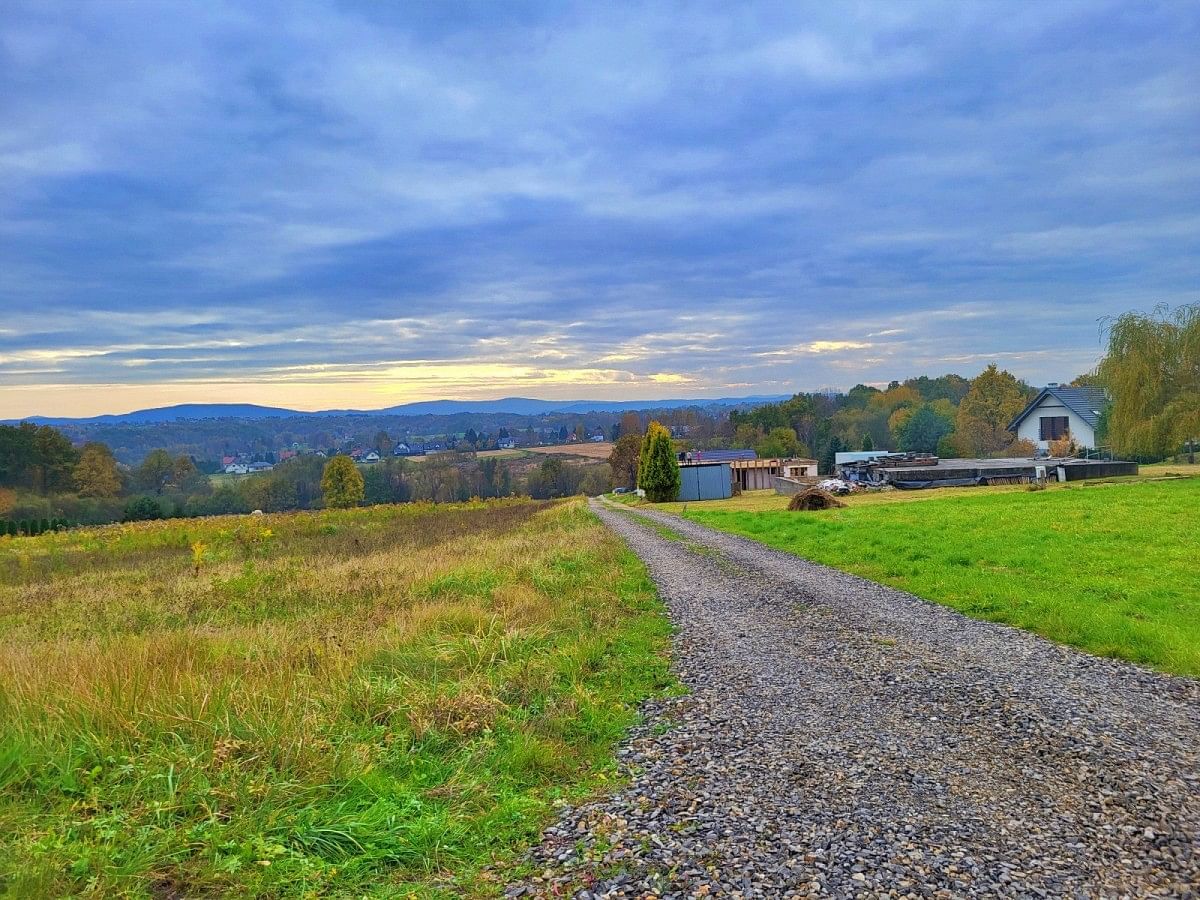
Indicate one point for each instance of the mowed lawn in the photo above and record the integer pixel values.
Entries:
(381, 702)
(1113, 569)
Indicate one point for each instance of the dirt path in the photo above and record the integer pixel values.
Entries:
(843, 738)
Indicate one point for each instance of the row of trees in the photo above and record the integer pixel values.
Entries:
(43, 478)
(41, 459)
(31, 527)
(916, 414)
(1151, 372)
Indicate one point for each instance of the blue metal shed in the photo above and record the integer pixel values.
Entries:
(705, 481)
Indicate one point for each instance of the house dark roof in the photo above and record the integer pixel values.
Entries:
(1085, 402)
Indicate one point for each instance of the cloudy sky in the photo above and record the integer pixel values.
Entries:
(359, 204)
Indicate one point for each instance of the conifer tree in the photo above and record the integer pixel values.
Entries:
(658, 472)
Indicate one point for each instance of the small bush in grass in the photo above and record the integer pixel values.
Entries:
(142, 509)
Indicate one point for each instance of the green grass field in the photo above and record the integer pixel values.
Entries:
(1111, 568)
(382, 701)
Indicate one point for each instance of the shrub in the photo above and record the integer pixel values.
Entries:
(1064, 447)
(141, 509)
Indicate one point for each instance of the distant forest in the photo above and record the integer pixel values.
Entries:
(91, 473)
(209, 440)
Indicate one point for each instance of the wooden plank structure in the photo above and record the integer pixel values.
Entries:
(760, 474)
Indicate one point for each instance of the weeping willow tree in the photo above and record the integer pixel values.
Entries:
(1152, 372)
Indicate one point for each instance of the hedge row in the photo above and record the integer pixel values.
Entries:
(30, 527)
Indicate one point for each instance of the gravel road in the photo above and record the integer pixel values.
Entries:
(841, 738)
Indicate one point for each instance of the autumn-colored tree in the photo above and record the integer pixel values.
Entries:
(658, 474)
(1152, 372)
(623, 460)
(981, 427)
(897, 421)
(155, 471)
(631, 424)
(185, 477)
(896, 396)
(341, 482)
(96, 472)
(383, 443)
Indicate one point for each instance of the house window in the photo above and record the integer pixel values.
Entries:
(1054, 427)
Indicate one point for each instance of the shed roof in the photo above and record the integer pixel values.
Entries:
(1085, 402)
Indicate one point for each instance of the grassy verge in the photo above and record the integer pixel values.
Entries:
(1109, 568)
(377, 701)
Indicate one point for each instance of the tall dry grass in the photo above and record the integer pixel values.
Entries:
(308, 702)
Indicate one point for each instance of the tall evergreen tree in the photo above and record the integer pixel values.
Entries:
(828, 461)
(658, 474)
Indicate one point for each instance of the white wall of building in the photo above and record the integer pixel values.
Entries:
(1030, 428)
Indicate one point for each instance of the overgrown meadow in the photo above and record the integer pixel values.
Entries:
(377, 701)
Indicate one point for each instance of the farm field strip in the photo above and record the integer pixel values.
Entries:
(383, 700)
(584, 448)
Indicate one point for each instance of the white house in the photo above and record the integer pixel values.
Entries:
(371, 457)
(1059, 411)
(506, 443)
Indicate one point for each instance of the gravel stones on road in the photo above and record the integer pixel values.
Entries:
(841, 738)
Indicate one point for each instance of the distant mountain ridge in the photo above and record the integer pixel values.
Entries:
(521, 406)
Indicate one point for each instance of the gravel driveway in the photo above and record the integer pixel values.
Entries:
(843, 738)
